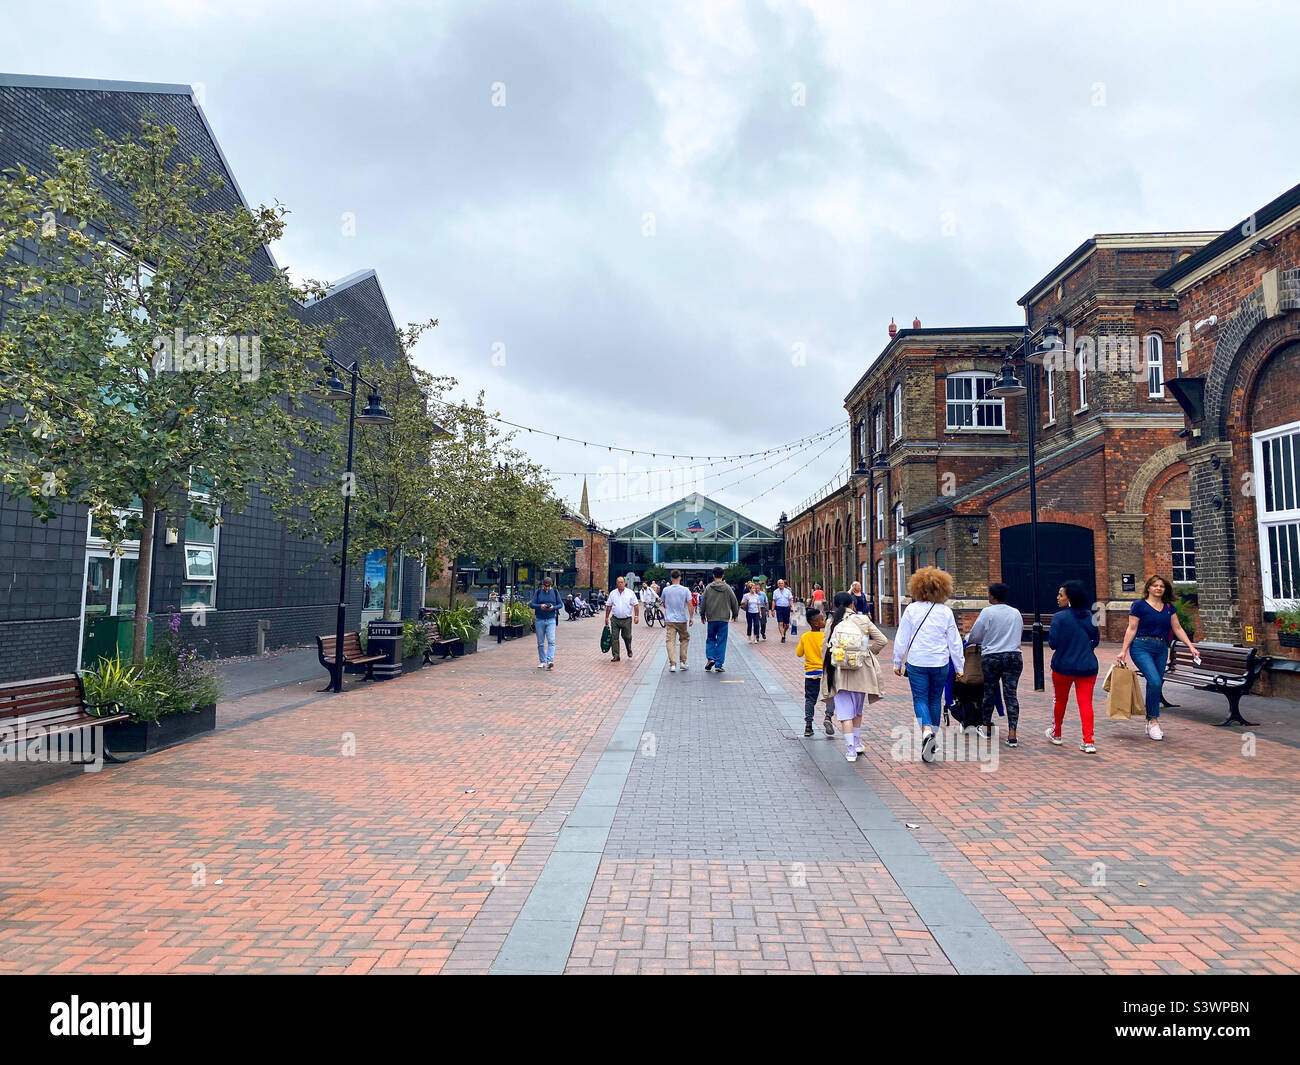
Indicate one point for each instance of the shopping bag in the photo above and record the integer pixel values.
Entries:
(606, 640)
(1121, 686)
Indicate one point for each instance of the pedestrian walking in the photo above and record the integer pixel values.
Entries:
(546, 606)
(719, 608)
(1153, 625)
(818, 596)
(860, 603)
(1072, 638)
(764, 608)
(927, 642)
(783, 601)
(679, 616)
(851, 674)
(750, 600)
(624, 610)
(809, 648)
(998, 631)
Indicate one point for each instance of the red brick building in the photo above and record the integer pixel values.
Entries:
(1238, 301)
(820, 544)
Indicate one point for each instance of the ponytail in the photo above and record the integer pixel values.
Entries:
(843, 601)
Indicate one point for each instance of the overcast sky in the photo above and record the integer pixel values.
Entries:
(679, 203)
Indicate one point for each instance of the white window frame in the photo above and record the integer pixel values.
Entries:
(1282, 518)
(1081, 366)
(1155, 363)
(898, 412)
(900, 573)
(979, 407)
(864, 513)
(880, 512)
(208, 581)
(1051, 396)
(900, 528)
(1178, 545)
(880, 429)
(880, 580)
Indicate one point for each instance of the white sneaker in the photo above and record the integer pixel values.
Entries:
(541, 665)
(672, 668)
(683, 666)
(861, 749)
(1153, 730)
(1051, 735)
(850, 756)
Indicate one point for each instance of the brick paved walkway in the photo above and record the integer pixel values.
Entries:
(618, 818)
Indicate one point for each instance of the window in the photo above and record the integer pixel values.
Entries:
(900, 529)
(200, 588)
(1081, 362)
(898, 412)
(968, 408)
(1277, 497)
(862, 440)
(865, 505)
(880, 429)
(1051, 396)
(880, 512)
(1183, 544)
(880, 579)
(940, 559)
(1155, 368)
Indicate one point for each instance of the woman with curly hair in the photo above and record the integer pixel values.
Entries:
(927, 642)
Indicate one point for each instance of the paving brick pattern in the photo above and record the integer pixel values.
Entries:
(1179, 856)
(310, 860)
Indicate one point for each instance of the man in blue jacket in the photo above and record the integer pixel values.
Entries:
(546, 605)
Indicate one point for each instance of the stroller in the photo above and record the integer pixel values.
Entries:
(963, 700)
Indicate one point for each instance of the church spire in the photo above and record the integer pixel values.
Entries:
(584, 506)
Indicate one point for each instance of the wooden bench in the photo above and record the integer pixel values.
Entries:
(355, 660)
(55, 705)
(439, 643)
(1225, 668)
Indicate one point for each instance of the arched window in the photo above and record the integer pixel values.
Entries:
(967, 404)
(1155, 367)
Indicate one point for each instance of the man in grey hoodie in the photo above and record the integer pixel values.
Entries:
(719, 607)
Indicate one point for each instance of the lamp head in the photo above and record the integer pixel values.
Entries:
(375, 414)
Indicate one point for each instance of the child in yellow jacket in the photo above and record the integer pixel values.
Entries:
(810, 650)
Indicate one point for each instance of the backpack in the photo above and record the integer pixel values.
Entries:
(848, 649)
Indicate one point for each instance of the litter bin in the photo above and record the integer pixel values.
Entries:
(385, 638)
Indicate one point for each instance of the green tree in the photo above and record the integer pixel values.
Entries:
(655, 573)
(736, 573)
(139, 344)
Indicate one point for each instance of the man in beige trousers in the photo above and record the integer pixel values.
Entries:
(679, 616)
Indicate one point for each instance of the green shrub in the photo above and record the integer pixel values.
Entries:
(519, 613)
(172, 681)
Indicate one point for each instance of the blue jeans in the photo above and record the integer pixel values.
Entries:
(1151, 656)
(546, 640)
(927, 683)
(715, 643)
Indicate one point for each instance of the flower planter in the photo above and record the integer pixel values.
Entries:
(412, 663)
(471, 647)
(1289, 639)
(140, 737)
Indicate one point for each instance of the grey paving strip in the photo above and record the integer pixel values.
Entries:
(540, 940)
(961, 930)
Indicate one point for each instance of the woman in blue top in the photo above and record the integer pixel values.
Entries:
(1072, 638)
(1152, 626)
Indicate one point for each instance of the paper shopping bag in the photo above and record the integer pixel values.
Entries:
(1121, 684)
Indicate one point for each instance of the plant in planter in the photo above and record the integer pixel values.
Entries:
(171, 697)
(461, 623)
(416, 637)
(519, 616)
(1287, 621)
(1184, 606)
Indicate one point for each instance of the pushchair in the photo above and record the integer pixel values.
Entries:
(963, 700)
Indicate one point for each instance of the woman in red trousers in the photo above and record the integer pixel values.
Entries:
(1072, 638)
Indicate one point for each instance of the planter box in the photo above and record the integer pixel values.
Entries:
(411, 664)
(1289, 639)
(470, 648)
(139, 737)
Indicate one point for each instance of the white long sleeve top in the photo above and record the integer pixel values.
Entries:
(928, 636)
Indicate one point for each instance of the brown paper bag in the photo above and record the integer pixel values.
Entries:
(972, 671)
(1121, 684)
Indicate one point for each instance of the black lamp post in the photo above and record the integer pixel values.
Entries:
(591, 560)
(1008, 388)
(335, 391)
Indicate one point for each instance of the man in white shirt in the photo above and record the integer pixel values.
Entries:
(782, 599)
(679, 615)
(998, 630)
(648, 595)
(622, 611)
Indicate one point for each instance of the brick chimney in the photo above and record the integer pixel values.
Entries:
(916, 323)
(893, 329)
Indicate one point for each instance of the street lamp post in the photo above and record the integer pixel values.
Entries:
(1007, 388)
(333, 390)
(591, 560)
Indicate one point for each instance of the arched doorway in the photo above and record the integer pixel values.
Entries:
(1065, 552)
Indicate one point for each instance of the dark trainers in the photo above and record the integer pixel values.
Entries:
(829, 725)
(708, 665)
(807, 729)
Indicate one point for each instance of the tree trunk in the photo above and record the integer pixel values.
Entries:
(143, 572)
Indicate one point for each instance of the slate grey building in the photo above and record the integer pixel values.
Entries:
(57, 579)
